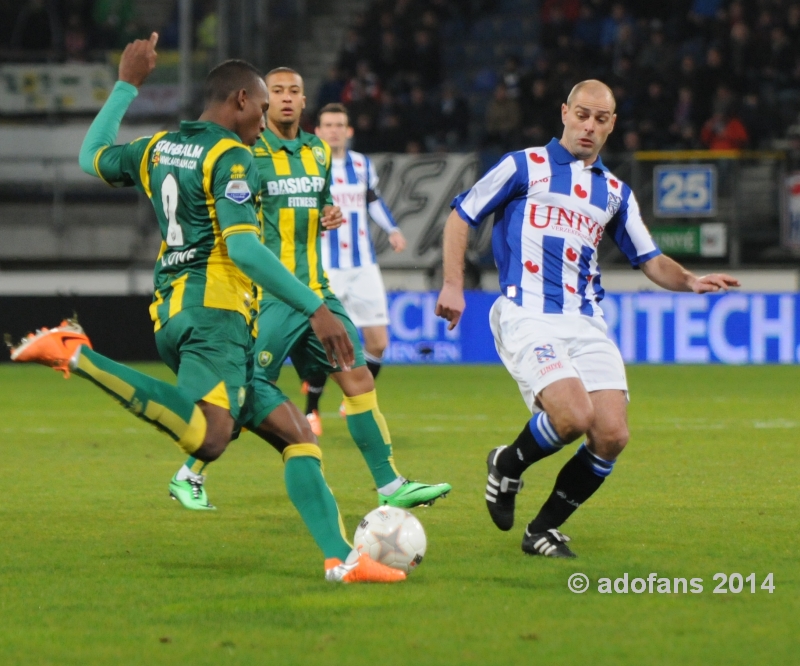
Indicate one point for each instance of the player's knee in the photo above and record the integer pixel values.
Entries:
(610, 443)
(213, 447)
(573, 421)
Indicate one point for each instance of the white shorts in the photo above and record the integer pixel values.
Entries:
(539, 349)
(362, 293)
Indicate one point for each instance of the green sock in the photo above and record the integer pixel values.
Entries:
(371, 434)
(195, 465)
(152, 400)
(313, 499)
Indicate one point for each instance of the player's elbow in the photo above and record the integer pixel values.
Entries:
(86, 159)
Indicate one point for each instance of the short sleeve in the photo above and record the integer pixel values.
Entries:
(235, 187)
(372, 177)
(505, 181)
(629, 232)
(120, 166)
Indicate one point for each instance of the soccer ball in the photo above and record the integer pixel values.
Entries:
(393, 537)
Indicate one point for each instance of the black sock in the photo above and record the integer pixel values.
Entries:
(374, 368)
(537, 440)
(373, 364)
(577, 481)
(316, 385)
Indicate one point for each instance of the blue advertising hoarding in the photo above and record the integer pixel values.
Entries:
(732, 328)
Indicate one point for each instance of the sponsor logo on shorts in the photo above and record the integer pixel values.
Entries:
(264, 358)
(237, 191)
(549, 368)
(319, 154)
(241, 396)
(545, 353)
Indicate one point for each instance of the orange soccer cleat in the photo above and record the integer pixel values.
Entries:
(315, 421)
(361, 568)
(51, 346)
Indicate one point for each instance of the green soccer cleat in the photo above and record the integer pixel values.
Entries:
(191, 494)
(413, 493)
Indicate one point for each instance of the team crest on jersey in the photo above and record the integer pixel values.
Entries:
(319, 154)
(237, 191)
(264, 358)
(545, 353)
(614, 202)
(237, 171)
(156, 158)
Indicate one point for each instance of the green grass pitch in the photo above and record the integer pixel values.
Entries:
(97, 566)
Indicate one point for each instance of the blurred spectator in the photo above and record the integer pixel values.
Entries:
(655, 117)
(420, 117)
(112, 22)
(656, 56)
(426, 58)
(392, 135)
(37, 27)
(631, 142)
(612, 24)
(365, 139)
(75, 39)
(452, 120)
(540, 114)
(330, 91)
(723, 131)
(685, 115)
(390, 56)
(352, 52)
(364, 86)
(503, 119)
(512, 76)
(588, 30)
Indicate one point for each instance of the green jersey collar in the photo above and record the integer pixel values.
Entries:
(191, 127)
(275, 144)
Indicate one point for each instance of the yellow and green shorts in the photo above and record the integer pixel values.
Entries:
(283, 333)
(210, 351)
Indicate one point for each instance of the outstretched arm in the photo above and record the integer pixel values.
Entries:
(137, 61)
(451, 303)
(669, 274)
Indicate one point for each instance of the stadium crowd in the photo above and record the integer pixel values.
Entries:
(686, 74)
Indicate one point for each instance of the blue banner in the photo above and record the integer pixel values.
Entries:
(732, 328)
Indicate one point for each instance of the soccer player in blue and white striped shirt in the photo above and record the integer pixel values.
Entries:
(347, 252)
(552, 204)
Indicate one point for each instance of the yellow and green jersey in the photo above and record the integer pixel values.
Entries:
(204, 186)
(295, 186)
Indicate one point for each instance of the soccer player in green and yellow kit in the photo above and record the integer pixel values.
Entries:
(296, 203)
(204, 185)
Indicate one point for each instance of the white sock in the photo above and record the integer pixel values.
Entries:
(389, 488)
(73, 361)
(185, 473)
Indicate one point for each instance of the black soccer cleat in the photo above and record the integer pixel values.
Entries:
(549, 544)
(500, 493)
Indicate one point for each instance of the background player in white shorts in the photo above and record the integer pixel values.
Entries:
(347, 253)
(552, 206)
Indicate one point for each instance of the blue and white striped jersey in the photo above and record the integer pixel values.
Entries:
(550, 212)
(354, 188)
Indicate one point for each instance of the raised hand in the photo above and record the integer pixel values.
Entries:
(138, 60)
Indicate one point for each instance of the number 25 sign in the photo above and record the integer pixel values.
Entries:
(685, 190)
